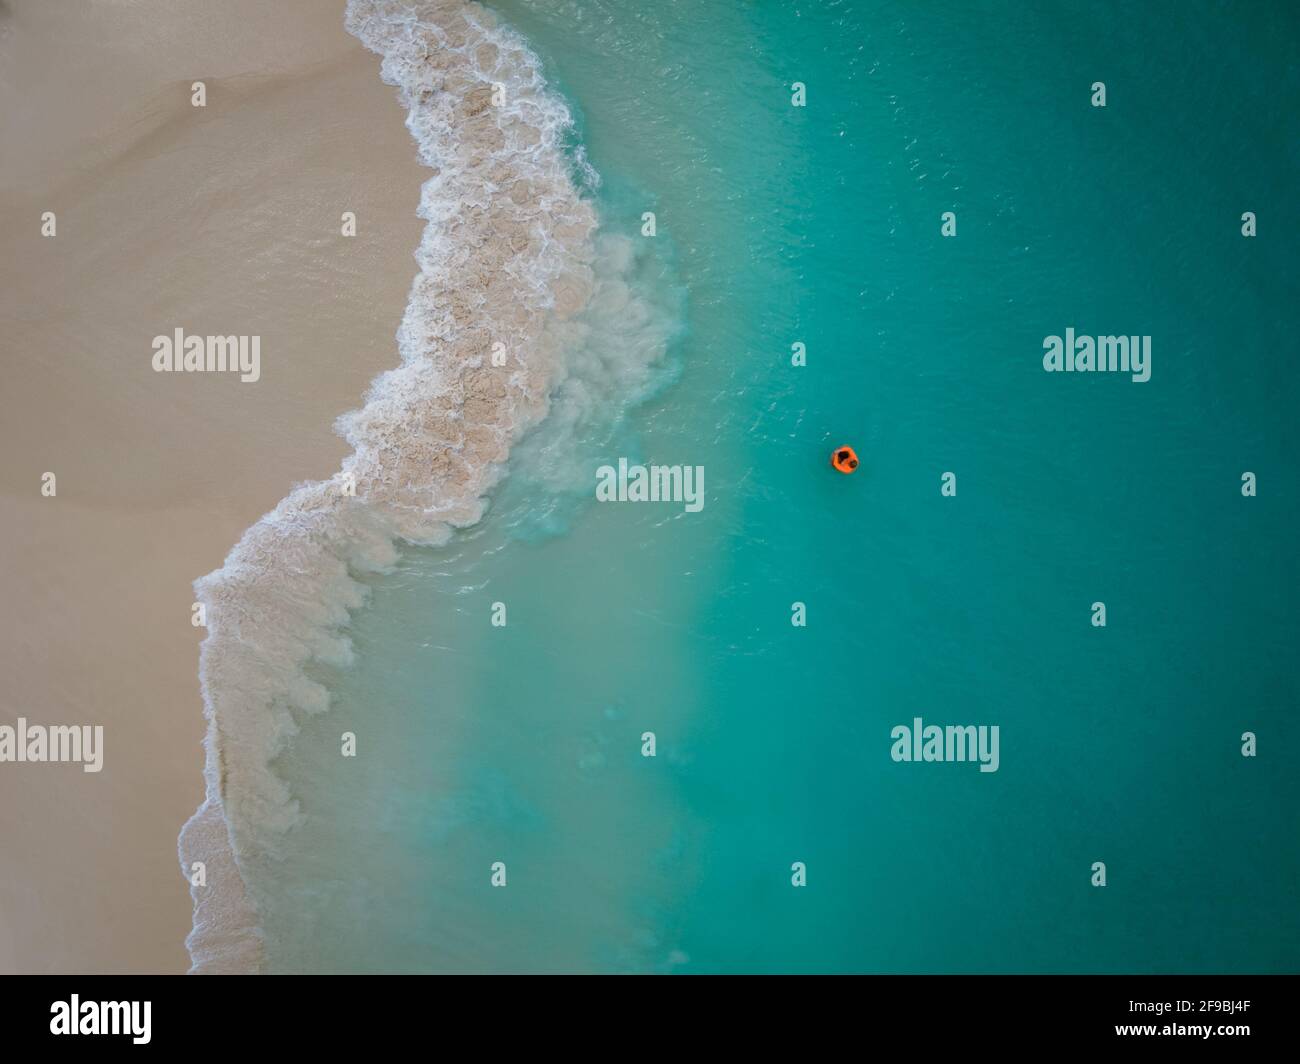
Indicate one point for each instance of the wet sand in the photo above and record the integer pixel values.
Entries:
(224, 220)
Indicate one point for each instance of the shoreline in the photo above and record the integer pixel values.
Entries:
(224, 220)
(505, 254)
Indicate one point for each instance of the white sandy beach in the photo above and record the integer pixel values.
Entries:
(223, 219)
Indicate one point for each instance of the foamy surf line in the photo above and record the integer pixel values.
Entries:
(505, 259)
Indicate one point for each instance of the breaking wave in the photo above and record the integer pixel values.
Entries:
(518, 305)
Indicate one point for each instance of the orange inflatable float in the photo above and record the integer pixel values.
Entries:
(844, 459)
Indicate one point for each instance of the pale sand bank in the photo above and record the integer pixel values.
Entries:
(221, 220)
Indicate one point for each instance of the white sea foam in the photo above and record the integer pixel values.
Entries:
(508, 255)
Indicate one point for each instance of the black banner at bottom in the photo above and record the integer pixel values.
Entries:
(683, 1014)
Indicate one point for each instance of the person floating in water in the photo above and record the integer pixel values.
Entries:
(843, 459)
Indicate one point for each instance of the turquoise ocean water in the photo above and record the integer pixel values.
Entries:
(821, 225)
